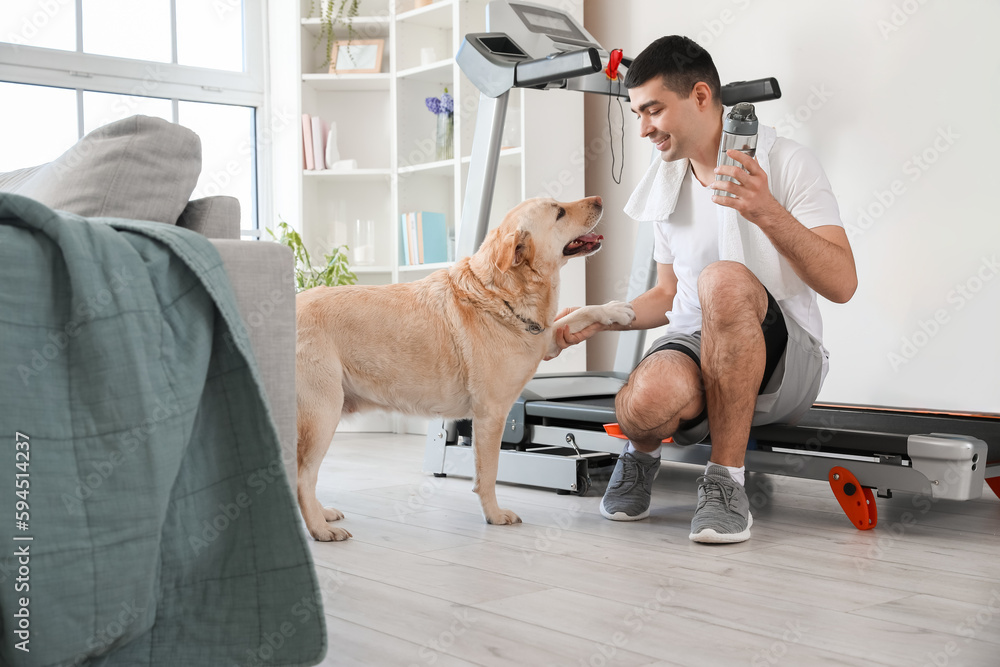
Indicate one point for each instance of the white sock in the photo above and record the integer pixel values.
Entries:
(738, 474)
(655, 453)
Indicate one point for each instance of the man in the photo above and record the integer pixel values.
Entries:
(737, 352)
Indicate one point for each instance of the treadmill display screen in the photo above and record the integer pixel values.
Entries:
(503, 46)
(549, 22)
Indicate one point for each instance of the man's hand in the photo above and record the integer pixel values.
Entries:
(563, 338)
(821, 256)
(754, 200)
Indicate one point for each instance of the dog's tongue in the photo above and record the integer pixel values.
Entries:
(590, 238)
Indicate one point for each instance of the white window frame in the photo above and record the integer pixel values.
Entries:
(82, 72)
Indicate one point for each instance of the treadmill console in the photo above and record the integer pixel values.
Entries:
(527, 46)
(540, 30)
(558, 26)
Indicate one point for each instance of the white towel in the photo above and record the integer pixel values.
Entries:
(655, 198)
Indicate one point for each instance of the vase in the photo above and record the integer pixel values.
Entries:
(364, 242)
(445, 138)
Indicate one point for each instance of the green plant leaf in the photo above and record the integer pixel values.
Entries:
(337, 270)
(332, 12)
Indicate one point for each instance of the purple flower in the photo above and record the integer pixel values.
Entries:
(439, 105)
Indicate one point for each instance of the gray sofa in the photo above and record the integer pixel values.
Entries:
(145, 168)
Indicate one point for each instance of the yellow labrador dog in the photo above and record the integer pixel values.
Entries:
(463, 342)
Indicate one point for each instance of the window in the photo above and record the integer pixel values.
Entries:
(227, 162)
(47, 121)
(68, 67)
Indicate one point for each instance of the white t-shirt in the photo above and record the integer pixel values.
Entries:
(689, 238)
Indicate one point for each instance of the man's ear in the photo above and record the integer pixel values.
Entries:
(517, 248)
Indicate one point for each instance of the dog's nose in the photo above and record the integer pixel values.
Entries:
(598, 202)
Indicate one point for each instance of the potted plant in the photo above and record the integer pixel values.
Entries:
(336, 272)
(332, 12)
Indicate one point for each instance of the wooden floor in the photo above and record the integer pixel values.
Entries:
(425, 581)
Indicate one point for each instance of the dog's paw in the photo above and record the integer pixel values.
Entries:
(503, 518)
(329, 533)
(618, 312)
(332, 514)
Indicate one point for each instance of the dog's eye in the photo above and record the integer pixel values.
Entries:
(562, 212)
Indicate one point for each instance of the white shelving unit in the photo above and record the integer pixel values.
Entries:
(383, 123)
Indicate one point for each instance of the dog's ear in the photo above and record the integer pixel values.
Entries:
(517, 248)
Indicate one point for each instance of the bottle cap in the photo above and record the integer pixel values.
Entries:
(740, 120)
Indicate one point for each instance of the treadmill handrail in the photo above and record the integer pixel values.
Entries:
(556, 67)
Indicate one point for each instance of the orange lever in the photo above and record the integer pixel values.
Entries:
(857, 501)
(994, 482)
(615, 431)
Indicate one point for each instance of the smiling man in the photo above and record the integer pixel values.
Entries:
(738, 351)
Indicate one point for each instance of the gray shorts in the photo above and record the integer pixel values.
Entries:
(790, 392)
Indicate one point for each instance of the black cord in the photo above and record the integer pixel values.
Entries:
(611, 137)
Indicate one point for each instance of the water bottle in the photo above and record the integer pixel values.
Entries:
(739, 131)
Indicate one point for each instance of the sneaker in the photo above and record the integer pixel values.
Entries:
(630, 487)
(723, 512)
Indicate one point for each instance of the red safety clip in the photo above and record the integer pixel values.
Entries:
(613, 62)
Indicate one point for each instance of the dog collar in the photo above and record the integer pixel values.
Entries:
(534, 328)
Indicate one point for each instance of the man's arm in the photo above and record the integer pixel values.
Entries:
(650, 310)
(652, 305)
(821, 256)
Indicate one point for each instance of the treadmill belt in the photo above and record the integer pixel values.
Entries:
(593, 409)
(823, 419)
(841, 428)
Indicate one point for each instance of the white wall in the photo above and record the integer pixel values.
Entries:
(900, 100)
(552, 137)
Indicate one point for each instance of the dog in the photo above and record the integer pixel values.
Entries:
(462, 342)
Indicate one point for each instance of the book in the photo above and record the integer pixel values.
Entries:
(404, 249)
(433, 237)
(423, 238)
(420, 237)
(411, 235)
(318, 138)
(307, 142)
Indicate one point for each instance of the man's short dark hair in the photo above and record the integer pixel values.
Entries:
(681, 62)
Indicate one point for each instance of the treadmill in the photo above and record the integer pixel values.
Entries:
(555, 434)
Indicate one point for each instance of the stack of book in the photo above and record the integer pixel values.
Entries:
(423, 238)
(314, 134)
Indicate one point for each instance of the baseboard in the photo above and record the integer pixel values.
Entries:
(368, 422)
(411, 424)
(383, 422)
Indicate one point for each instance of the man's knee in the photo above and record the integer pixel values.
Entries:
(730, 288)
(656, 393)
(638, 415)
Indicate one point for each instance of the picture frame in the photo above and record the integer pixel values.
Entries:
(359, 56)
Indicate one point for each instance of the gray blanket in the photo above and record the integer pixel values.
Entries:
(145, 517)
